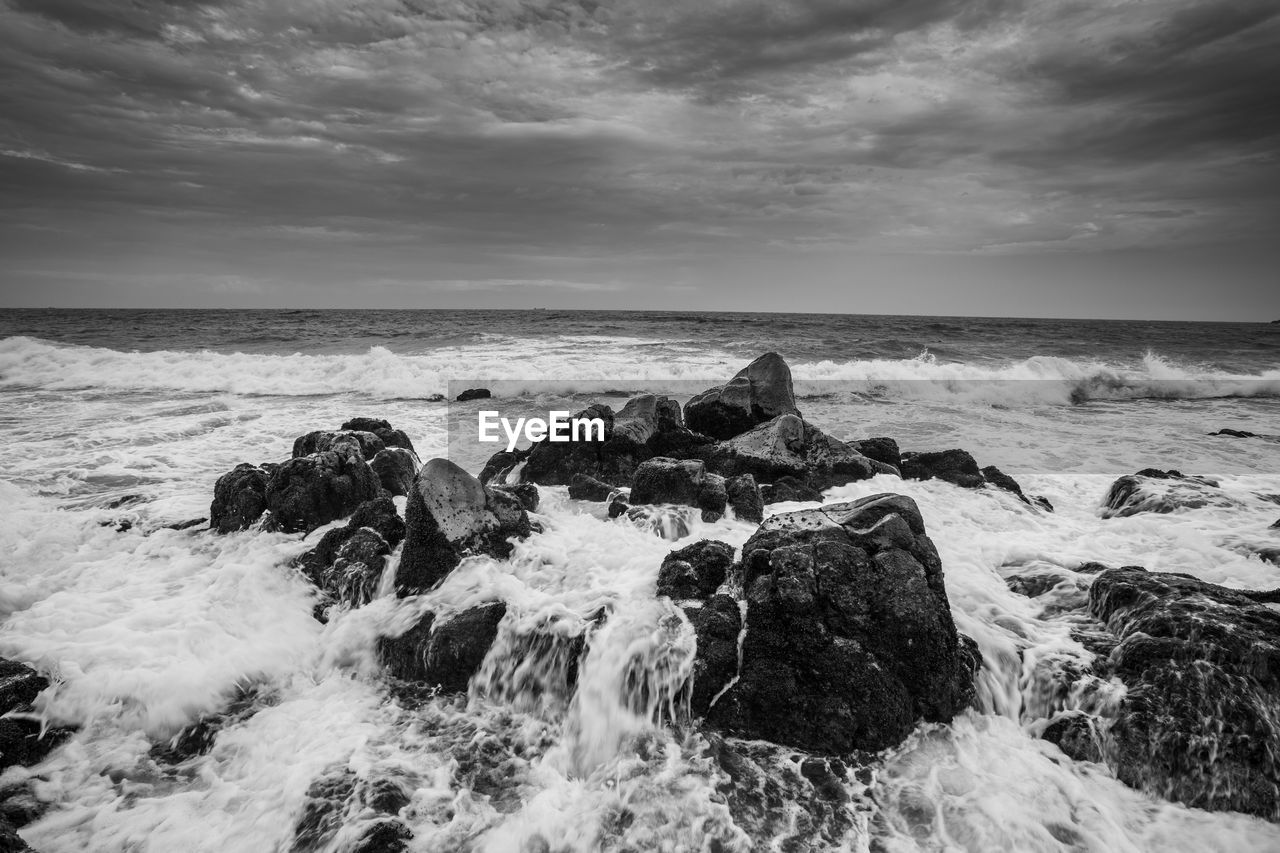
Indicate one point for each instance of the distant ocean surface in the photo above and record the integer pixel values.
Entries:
(130, 416)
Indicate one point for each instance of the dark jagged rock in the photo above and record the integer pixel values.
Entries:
(198, 738)
(307, 492)
(526, 493)
(617, 507)
(759, 392)
(443, 654)
(1235, 433)
(1200, 719)
(348, 562)
(451, 514)
(239, 498)
(695, 571)
(684, 482)
(882, 449)
(22, 740)
(474, 394)
(10, 841)
(745, 498)
(584, 487)
(717, 624)
(390, 436)
(501, 464)
(849, 634)
(1074, 734)
(364, 444)
(186, 525)
(789, 489)
(952, 466)
(1153, 490)
(713, 498)
(338, 794)
(665, 521)
(395, 468)
(789, 447)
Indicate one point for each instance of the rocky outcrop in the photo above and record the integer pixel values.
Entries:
(1000, 480)
(451, 514)
(348, 561)
(395, 469)
(759, 392)
(307, 492)
(526, 493)
(443, 654)
(684, 482)
(849, 637)
(474, 394)
(586, 488)
(239, 498)
(952, 466)
(390, 436)
(744, 498)
(789, 489)
(23, 740)
(789, 447)
(1153, 490)
(882, 449)
(695, 571)
(340, 794)
(1200, 718)
(365, 444)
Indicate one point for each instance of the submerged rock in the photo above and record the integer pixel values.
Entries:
(789, 447)
(239, 498)
(1153, 490)
(695, 571)
(309, 491)
(1235, 433)
(450, 515)
(339, 796)
(953, 466)
(759, 392)
(443, 654)
(1200, 719)
(849, 637)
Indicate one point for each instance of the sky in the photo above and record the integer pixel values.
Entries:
(1088, 158)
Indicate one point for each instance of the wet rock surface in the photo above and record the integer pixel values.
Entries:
(849, 636)
(365, 444)
(684, 482)
(759, 392)
(695, 571)
(443, 654)
(23, 739)
(389, 435)
(953, 466)
(449, 515)
(239, 498)
(395, 469)
(745, 499)
(787, 446)
(306, 492)
(1154, 490)
(340, 796)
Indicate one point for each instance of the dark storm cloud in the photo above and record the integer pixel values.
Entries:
(531, 140)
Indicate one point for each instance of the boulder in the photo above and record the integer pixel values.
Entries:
(952, 466)
(390, 436)
(759, 392)
(239, 498)
(789, 447)
(695, 571)
(617, 507)
(443, 654)
(395, 468)
(999, 479)
(348, 561)
(745, 499)
(717, 625)
(474, 394)
(307, 492)
(849, 637)
(365, 444)
(713, 499)
(789, 489)
(587, 488)
(1200, 719)
(1153, 490)
(337, 796)
(526, 493)
(881, 449)
(684, 482)
(502, 464)
(450, 515)
(23, 740)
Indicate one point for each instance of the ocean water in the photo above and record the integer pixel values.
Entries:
(132, 415)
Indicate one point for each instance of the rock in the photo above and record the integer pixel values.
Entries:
(525, 493)
(759, 392)
(789, 489)
(617, 507)
(444, 654)
(198, 738)
(668, 522)
(668, 481)
(881, 449)
(717, 624)
(364, 444)
(474, 394)
(849, 635)
(1235, 433)
(695, 571)
(390, 436)
(586, 488)
(348, 561)
(713, 498)
(1074, 734)
(789, 447)
(450, 515)
(1200, 719)
(338, 795)
(1153, 490)
(23, 740)
(309, 491)
(239, 498)
(952, 466)
(745, 498)
(501, 465)
(186, 525)
(395, 468)
(10, 841)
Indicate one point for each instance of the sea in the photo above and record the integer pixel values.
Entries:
(116, 424)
